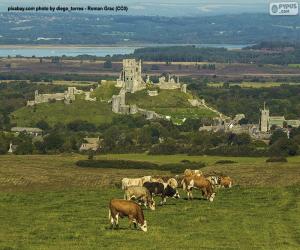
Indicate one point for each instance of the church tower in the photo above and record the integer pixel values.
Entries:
(264, 119)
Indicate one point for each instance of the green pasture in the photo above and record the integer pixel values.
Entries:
(47, 202)
(240, 218)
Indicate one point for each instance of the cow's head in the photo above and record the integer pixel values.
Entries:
(171, 192)
(215, 180)
(144, 227)
(151, 204)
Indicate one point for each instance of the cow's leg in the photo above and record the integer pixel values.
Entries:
(111, 219)
(117, 220)
(191, 195)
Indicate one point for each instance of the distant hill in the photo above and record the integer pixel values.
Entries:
(172, 103)
(92, 29)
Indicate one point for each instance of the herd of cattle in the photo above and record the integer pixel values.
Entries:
(140, 191)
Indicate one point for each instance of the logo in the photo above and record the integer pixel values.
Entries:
(284, 9)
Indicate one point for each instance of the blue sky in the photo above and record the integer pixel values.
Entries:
(159, 7)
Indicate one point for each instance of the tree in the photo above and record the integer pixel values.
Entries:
(54, 141)
(107, 64)
(3, 146)
(42, 125)
(24, 148)
(283, 147)
(278, 134)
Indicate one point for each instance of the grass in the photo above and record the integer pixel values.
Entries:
(94, 112)
(172, 103)
(46, 202)
(105, 91)
(263, 218)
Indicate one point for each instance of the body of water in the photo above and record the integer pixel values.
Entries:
(40, 51)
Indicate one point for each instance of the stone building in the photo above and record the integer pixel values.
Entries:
(67, 96)
(90, 144)
(27, 130)
(264, 124)
(131, 76)
(267, 121)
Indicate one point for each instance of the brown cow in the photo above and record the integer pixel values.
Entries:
(225, 181)
(130, 209)
(198, 182)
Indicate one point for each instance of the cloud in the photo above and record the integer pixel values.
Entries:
(137, 7)
(214, 7)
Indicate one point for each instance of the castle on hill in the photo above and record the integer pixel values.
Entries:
(131, 81)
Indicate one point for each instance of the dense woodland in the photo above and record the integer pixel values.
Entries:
(271, 55)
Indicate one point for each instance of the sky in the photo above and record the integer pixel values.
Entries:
(158, 7)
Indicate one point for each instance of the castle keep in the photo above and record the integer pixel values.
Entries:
(131, 76)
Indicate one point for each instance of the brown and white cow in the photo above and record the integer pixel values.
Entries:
(214, 180)
(140, 194)
(166, 180)
(123, 208)
(198, 182)
(225, 181)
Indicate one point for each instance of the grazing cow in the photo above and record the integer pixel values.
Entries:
(165, 180)
(225, 181)
(190, 172)
(179, 179)
(146, 178)
(214, 180)
(130, 209)
(157, 188)
(127, 182)
(198, 182)
(140, 194)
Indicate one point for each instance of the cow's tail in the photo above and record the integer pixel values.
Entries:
(124, 186)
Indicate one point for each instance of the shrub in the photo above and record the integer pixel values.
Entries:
(225, 162)
(124, 164)
(277, 159)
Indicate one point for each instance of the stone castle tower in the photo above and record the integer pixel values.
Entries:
(264, 119)
(131, 76)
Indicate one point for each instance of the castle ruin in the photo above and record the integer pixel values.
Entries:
(68, 96)
(171, 83)
(131, 76)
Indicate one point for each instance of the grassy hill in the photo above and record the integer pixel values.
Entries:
(94, 112)
(172, 103)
